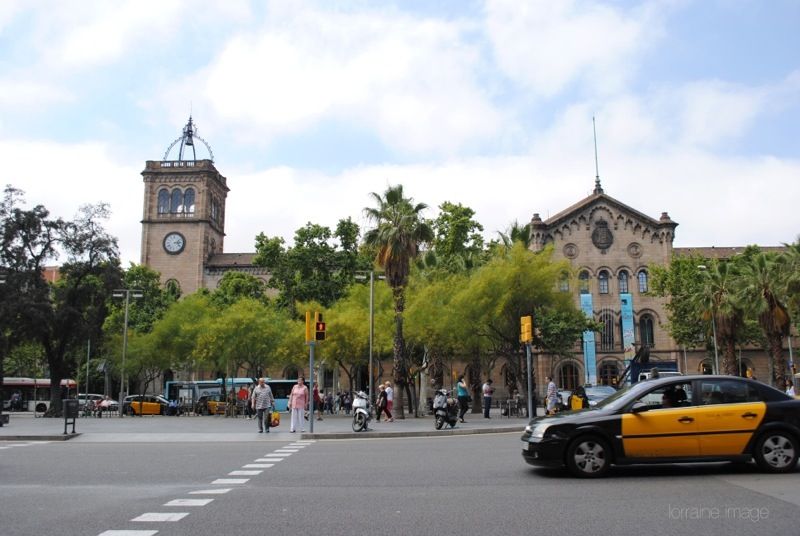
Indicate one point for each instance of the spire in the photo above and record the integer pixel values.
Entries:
(186, 140)
(597, 188)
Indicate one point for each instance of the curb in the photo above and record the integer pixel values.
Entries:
(372, 434)
(60, 437)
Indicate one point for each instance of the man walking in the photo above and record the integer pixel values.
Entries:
(488, 391)
(551, 397)
(262, 401)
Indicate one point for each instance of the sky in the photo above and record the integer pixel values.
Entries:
(309, 106)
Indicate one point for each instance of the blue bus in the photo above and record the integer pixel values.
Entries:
(189, 392)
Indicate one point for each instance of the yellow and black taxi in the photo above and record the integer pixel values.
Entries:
(674, 419)
(145, 405)
(210, 405)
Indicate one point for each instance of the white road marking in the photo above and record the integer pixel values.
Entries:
(257, 465)
(282, 454)
(244, 473)
(292, 451)
(231, 481)
(270, 460)
(159, 517)
(188, 502)
(216, 491)
(128, 533)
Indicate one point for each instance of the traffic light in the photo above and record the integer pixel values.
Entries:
(309, 337)
(525, 329)
(319, 327)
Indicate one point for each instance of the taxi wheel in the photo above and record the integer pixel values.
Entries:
(776, 451)
(588, 457)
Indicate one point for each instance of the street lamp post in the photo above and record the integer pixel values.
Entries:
(2, 282)
(703, 268)
(127, 293)
(361, 276)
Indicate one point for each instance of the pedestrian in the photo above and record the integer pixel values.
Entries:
(790, 388)
(15, 401)
(389, 401)
(488, 391)
(317, 402)
(348, 403)
(242, 398)
(298, 400)
(262, 401)
(462, 393)
(380, 403)
(551, 397)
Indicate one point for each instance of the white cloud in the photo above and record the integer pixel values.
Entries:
(548, 45)
(16, 93)
(412, 81)
(62, 177)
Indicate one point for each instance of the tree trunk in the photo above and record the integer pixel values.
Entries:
(775, 343)
(400, 368)
(729, 365)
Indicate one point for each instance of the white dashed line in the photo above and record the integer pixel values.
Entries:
(158, 517)
(216, 491)
(128, 533)
(244, 473)
(231, 481)
(270, 460)
(291, 451)
(258, 465)
(188, 502)
(281, 454)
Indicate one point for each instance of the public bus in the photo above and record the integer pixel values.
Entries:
(34, 393)
(188, 392)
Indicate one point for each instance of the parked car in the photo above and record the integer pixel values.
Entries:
(210, 405)
(680, 419)
(145, 405)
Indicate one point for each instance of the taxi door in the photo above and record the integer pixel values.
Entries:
(729, 414)
(661, 432)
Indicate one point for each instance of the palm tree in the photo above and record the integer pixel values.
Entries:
(397, 236)
(718, 302)
(763, 287)
(517, 233)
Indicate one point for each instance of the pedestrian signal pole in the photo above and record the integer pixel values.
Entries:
(525, 337)
(315, 331)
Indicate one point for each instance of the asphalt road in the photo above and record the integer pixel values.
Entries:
(460, 485)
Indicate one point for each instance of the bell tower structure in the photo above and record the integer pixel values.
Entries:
(183, 220)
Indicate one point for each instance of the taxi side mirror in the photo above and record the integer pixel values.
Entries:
(639, 407)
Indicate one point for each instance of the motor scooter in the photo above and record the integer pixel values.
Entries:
(362, 413)
(445, 409)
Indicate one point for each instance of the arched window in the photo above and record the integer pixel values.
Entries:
(623, 281)
(602, 282)
(609, 372)
(568, 377)
(188, 200)
(643, 281)
(706, 367)
(163, 201)
(214, 209)
(646, 330)
(563, 283)
(176, 204)
(173, 288)
(583, 281)
(607, 333)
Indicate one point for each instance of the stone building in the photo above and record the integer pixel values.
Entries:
(610, 245)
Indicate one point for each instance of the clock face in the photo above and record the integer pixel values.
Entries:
(174, 243)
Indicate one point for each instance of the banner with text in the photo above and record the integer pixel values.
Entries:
(626, 303)
(589, 356)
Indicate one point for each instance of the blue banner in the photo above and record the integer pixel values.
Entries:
(626, 308)
(589, 356)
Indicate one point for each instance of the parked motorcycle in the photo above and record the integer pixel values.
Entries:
(361, 412)
(445, 409)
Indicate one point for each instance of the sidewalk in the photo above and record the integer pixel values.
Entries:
(25, 427)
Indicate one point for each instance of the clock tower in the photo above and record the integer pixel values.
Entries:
(183, 223)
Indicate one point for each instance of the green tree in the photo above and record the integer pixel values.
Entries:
(319, 267)
(399, 231)
(763, 287)
(235, 286)
(718, 301)
(516, 233)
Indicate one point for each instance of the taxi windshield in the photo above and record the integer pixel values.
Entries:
(620, 398)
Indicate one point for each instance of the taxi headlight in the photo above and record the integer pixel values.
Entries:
(539, 430)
